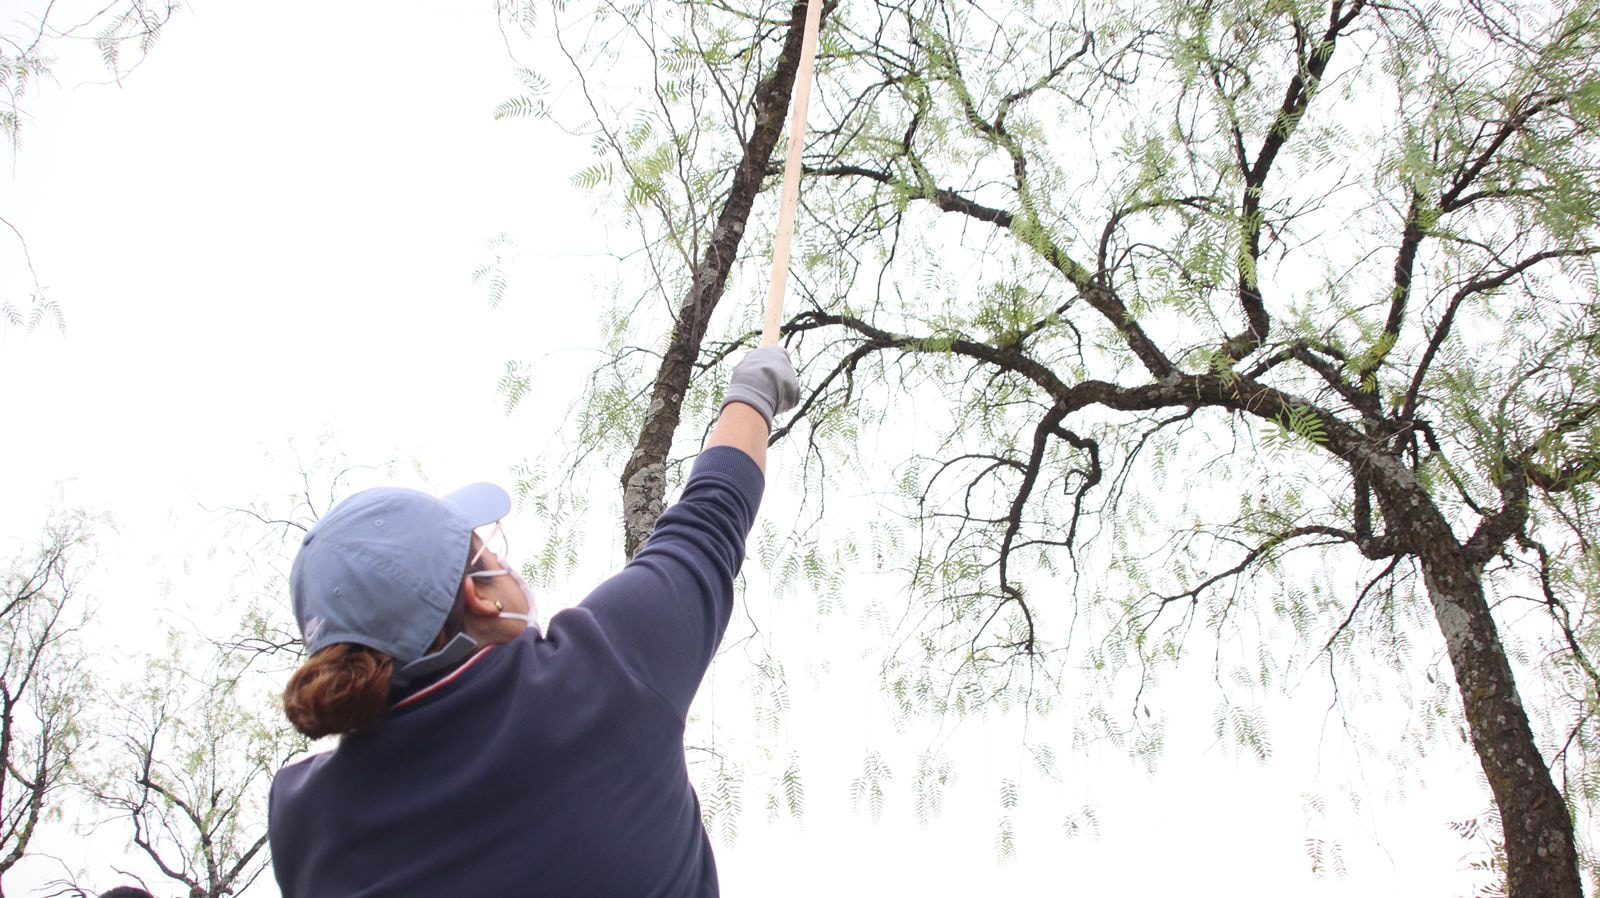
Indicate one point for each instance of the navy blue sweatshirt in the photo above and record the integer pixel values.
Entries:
(551, 766)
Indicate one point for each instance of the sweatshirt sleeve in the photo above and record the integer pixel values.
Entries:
(665, 613)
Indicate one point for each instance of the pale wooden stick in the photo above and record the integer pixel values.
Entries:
(791, 175)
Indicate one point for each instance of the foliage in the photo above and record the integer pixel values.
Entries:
(196, 749)
(122, 33)
(1175, 292)
(871, 787)
(43, 686)
(192, 730)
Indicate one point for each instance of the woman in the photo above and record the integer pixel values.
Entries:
(479, 756)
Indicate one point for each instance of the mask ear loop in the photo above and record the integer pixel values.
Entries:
(530, 619)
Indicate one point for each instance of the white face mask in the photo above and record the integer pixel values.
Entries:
(531, 619)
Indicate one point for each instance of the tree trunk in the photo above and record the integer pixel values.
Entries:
(1541, 854)
(644, 479)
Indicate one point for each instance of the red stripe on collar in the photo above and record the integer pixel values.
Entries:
(445, 681)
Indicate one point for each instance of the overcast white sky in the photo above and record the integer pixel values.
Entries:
(264, 238)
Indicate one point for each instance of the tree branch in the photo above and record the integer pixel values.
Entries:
(1296, 98)
(643, 483)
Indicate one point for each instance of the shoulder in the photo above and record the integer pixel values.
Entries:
(305, 763)
(576, 637)
(575, 650)
(292, 778)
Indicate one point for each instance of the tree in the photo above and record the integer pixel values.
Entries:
(1192, 288)
(42, 684)
(198, 744)
(197, 748)
(704, 204)
(194, 732)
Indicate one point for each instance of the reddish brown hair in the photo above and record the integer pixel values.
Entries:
(341, 689)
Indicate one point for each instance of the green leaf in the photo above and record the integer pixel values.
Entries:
(521, 107)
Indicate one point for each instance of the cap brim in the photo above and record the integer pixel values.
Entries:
(482, 503)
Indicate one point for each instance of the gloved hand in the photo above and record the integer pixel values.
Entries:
(765, 380)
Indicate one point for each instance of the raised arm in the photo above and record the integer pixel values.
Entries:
(665, 613)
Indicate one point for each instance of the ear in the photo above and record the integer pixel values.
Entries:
(478, 602)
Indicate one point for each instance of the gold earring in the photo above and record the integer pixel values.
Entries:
(498, 606)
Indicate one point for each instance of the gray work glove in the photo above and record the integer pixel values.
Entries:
(765, 380)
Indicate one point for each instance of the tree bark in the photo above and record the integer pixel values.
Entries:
(644, 479)
(1541, 854)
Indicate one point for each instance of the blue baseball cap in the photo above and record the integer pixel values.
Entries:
(383, 567)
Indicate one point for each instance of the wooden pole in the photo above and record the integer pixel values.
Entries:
(791, 176)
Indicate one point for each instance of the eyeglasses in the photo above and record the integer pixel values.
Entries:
(494, 540)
